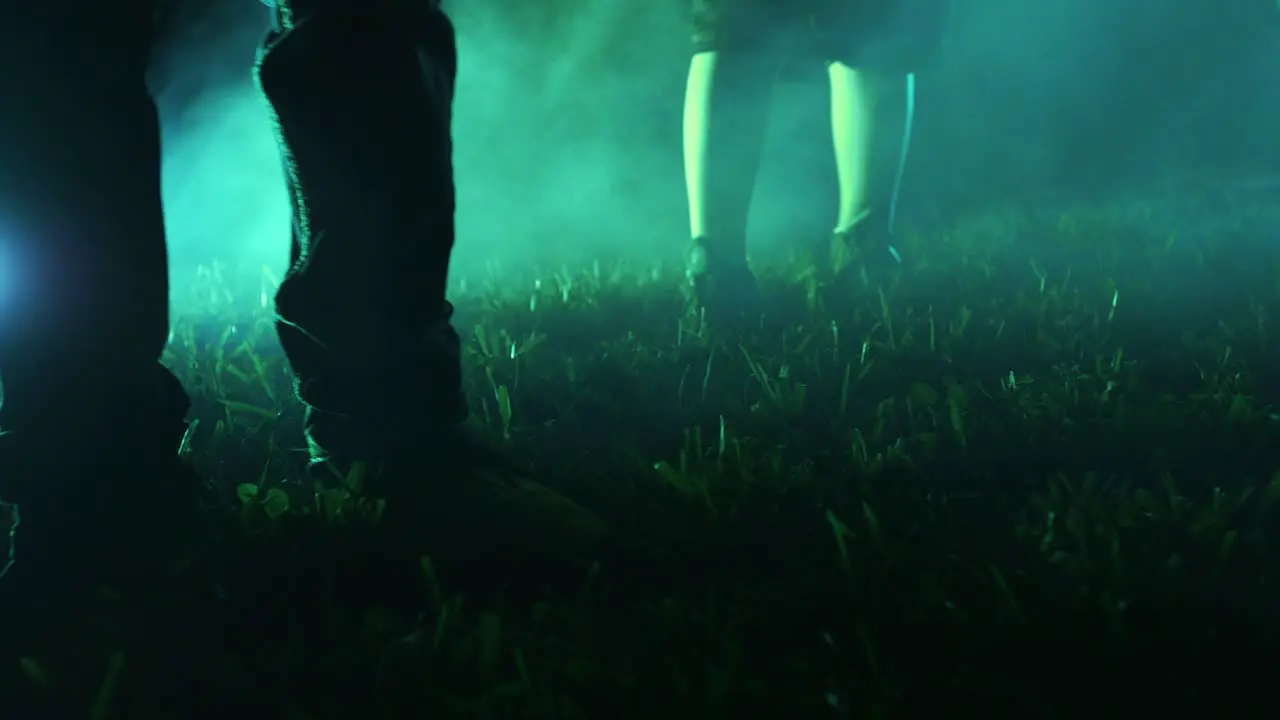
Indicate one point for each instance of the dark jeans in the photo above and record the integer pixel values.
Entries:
(363, 108)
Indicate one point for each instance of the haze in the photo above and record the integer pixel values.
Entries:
(568, 125)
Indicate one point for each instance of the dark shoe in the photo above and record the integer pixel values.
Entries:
(724, 289)
(862, 247)
(110, 550)
(460, 502)
(118, 516)
(845, 251)
(851, 245)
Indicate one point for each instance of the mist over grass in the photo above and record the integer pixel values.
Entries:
(567, 131)
(566, 142)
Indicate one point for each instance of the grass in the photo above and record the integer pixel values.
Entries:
(1031, 473)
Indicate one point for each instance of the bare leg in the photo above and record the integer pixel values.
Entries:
(697, 97)
(725, 116)
(851, 137)
(851, 128)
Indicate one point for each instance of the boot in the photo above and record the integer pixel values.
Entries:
(722, 285)
(851, 245)
(481, 518)
(864, 247)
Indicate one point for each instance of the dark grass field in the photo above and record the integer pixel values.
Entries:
(1032, 472)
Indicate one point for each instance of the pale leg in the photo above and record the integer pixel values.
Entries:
(851, 137)
(697, 111)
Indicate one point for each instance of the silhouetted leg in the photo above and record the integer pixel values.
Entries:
(84, 308)
(363, 105)
(362, 96)
(91, 420)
